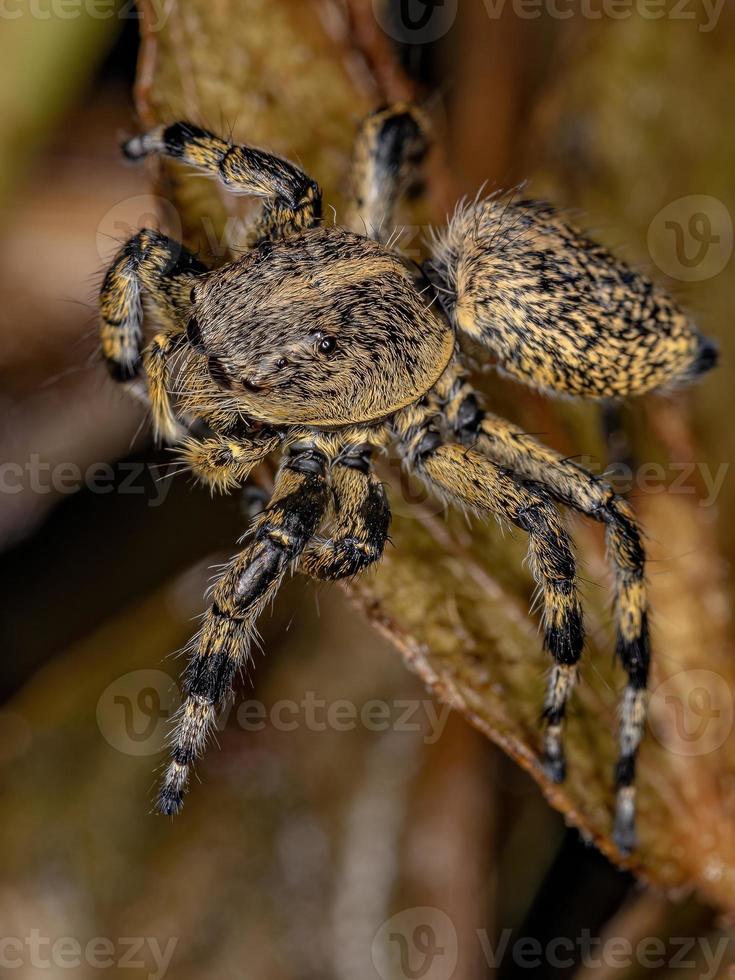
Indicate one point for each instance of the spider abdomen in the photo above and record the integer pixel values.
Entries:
(559, 311)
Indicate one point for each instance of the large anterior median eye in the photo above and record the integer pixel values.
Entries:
(218, 373)
(327, 345)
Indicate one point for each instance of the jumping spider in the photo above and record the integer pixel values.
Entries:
(326, 345)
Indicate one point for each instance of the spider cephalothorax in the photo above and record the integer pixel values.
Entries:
(325, 344)
(301, 330)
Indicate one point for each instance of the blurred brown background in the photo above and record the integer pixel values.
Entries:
(343, 793)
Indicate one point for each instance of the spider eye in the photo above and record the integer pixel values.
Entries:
(327, 345)
(217, 373)
(281, 362)
(250, 385)
(193, 295)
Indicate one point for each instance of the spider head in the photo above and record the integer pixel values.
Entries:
(324, 328)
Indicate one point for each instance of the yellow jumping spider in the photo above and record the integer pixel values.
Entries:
(325, 345)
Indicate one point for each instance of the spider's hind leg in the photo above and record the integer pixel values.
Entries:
(467, 478)
(577, 488)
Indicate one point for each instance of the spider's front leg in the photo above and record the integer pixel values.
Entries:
(577, 488)
(465, 477)
(159, 267)
(281, 533)
(293, 199)
(361, 520)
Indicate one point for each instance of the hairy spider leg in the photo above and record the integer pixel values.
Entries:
(293, 201)
(390, 147)
(577, 488)
(470, 480)
(361, 520)
(149, 264)
(249, 583)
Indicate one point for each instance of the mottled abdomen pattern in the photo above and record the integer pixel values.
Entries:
(559, 311)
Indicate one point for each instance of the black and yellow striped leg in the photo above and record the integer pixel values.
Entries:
(293, 199)
(148, 263)
(159, 267)
(467, 477)
(359, 530)
(249, 583)
(390, 147)
(581, 490)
